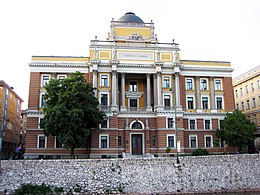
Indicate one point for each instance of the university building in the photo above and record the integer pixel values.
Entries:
(247, 98)
(10, 107)
(146, 91)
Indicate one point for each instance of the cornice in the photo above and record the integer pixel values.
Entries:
(203, 114)
(42, 64)
(183, 68)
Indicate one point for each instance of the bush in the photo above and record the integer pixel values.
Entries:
(29, 189)
(200, 152)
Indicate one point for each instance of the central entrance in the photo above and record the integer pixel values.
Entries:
(137, 144)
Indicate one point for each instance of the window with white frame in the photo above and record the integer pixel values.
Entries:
(133, 86)
(104, 80)
(167, 100)
(103, 141)
(218, 84)
(207, 124)
(258, 84)
(220, 124)
(189, 84)
(166, 82)
(242, 106)
(192, 124)
(193, 141)
(58, 143)
(208, 141)
(241, 91)
(62, 77)
(236, 94)
(219, 103)
(170, 123)
(246, 89)
(190, 102)
(104, 123)
(42, 102)
(42, 141)
(205, 102)
(237, 106)
(247, 104)
(104, 99)
(40, 121)
(45, 80)
(253, 103)
(252, 87)
(133, 103)
(171, 140)
(203, 84)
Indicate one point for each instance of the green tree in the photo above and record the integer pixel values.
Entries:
(71, 111)
(237, 130)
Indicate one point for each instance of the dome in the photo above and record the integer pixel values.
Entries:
(130, 17)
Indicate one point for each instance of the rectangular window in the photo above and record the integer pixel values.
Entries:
(252, 87)
(189, 84)
(104, 124)
(247, 104)
(237, 106)
(171, 141)
(42, 101)
(241, 91)
(207, 124)
(193, 141)
(190, 103)
(242, 106)
(42, 141)
(192, 124)
(170, 122)
(61, 77)
(58, 144)
(167, 100)
(205, 103)
(45, 80)
(104, 80)
(236, 94)
(103, 141)
(203, 84)
(119, 140)
(246, 89)
(219, 103)
(104, 100)
(218, 85)
(208, 141)
(133, 103)
(166, 82)
(133, 86)
(153, 141)
(253, 103)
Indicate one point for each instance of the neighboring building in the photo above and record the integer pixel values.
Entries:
(23, 128)
(138, 80)
(247, 98)
(10, 106)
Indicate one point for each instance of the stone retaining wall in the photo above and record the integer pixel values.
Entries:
(159, 175)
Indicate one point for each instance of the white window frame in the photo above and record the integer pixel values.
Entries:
(252, 87)
(173, 123)
(130, 89)
(246, 87)
(107, 118)
(192, 83)
(166, 77)
(167, 94)
(220, 96)
(39, 120)
(195, 123)
(106, 93)
(100, 84)
(38, 143)
(187, 96)
(204, 123)
(207, 96)
(242, 106)
(42, 82)
(170, 135)
(190, 136)
(221, 86)
(253, 102)
(207, 84)
(55, 143)
(219, 122)
(107, 135)
(241, 91)
(133, 99)
(258, 84)
(211, 143)
(62, 75)
(40, 103)
(248, 104)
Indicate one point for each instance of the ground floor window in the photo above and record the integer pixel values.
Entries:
(171, 140)
(208, 141)
(193, 141)
(103, 141)
(42, 141)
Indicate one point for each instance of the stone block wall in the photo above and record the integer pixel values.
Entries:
(159, 175)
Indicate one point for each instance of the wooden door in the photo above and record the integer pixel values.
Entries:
(137, 144)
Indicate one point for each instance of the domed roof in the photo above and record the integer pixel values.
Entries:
(130, 17)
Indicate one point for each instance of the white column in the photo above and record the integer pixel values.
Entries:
(177, 86)
(155, 90)
(148, 93)
(159, 91)
(114, 91)
(95, 81)
(123, 92)
(198, 93)
(212, 95)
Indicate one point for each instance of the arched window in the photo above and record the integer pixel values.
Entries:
(136, 125)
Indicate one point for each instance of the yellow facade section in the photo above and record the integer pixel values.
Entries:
(205, 63)
(166, 57)
(69, 59)
(125, 32)
(91, 52)
(105, 55)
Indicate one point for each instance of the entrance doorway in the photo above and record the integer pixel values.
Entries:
(137, 144)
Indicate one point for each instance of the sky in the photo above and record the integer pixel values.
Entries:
(210, 30)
